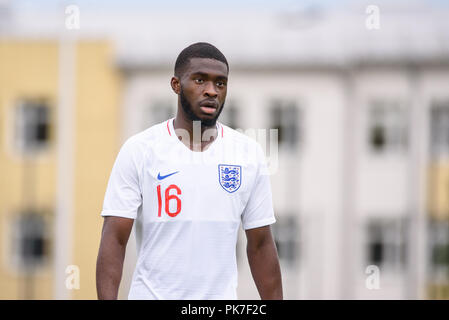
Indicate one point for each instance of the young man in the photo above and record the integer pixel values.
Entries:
(187, 183)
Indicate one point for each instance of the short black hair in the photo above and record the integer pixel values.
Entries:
(198, 50)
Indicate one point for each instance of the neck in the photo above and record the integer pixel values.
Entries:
(194, 134)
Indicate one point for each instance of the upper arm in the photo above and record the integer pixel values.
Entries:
(117, 229)
(258, 237)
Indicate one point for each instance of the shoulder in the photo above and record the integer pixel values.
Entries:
(242, 139)
(243, 145)
(142, 141)
(238, 136)
(148, 136)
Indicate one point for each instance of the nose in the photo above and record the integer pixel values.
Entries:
(209, 90)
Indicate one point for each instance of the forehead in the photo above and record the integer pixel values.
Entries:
(207, 66)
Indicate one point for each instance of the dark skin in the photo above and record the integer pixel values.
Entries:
(203, 80)
(114, 237)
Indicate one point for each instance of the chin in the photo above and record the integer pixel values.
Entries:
(208, 121)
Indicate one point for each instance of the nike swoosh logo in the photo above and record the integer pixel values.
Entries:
(159, 177)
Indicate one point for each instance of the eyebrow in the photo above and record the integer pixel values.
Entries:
(204, 74)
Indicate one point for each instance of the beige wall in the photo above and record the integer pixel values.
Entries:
(438, 191)
(97, 136)
(29, 69)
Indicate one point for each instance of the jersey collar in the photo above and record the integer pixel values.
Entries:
(171, 132)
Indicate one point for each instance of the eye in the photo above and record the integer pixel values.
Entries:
(221, 84)
(199, 80)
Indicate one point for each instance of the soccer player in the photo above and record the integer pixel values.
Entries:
(187, 184)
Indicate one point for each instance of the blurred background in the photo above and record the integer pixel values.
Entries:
(359, 92)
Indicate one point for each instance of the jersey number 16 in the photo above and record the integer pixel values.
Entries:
(169, 197)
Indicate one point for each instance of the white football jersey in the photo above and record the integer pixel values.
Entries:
(187, 207)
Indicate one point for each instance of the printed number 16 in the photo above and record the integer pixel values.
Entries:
(169, 197)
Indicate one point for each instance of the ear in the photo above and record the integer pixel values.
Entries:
(175, 85)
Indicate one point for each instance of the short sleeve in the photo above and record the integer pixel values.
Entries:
(123, 194)
(259, 209)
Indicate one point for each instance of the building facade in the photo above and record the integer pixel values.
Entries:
(357, 193)
(59, 106)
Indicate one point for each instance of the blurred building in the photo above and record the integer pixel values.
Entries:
(358, 184)
(361, 187)
(361, 190)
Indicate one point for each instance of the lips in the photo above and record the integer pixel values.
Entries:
(209, 104)
(208, 107)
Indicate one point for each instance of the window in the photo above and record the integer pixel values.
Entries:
(386, 243)
(439, 249)
(286, 237)
(387, 131)
(32, 126)
(157, 112)
(284, 116)
(439, 259)
(439, 126)
(30, 241)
